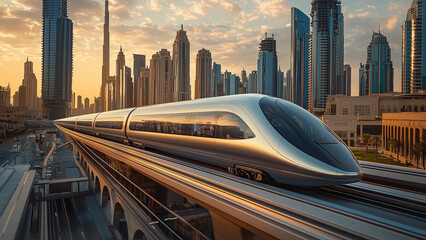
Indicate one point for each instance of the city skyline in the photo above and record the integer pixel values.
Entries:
(235, 49)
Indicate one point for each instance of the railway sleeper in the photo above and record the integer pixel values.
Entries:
(250, 173)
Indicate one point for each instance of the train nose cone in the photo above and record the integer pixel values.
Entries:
(352, 176)
(344, 159)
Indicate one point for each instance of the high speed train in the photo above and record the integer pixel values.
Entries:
(252, 135)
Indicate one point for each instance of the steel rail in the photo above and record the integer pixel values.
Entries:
(396, 176)
(91, 154)
(333, 221)
(406, 202)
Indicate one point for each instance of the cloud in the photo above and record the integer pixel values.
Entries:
(197, 9)
(392, 22)
(121, 10)
(359, 15)
(273, 8)
(154, 5)
(396, 6)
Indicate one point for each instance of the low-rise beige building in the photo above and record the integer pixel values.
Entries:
(344, 126)
(373, 106)
(409, 128)
(351, 117)
(350, 128)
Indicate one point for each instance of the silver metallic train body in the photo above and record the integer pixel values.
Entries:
(250, 134)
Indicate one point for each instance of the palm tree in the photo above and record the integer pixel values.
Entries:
(396, 144)
(417, 149)
(376, 141)
(365, 140)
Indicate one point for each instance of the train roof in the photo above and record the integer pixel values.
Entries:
(240, 99)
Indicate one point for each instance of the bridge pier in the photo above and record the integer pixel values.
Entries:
(225, 229)
(125, 222)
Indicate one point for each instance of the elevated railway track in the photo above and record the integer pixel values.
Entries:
(358, 211)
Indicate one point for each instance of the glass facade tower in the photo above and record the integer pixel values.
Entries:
(57, 44)
(139, 62)
(379, 68)
(327, 56)
(362, 80)
(299, 58)
(267, 67)
(413, 70)
(203, 74)
(216, 79)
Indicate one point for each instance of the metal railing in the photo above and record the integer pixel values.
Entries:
(170, 223)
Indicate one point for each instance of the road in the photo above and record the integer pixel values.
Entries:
(81, 218)
(5, 149)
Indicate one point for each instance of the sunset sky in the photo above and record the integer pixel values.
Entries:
(229, 29)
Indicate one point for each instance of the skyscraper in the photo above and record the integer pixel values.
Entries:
(267, 67)
(128, 88)
(105, 62)
(5, 96)
(142, 91)
(287, 85)
(413, 77)
(234, 81)
(203, 74)
(299, 58)
(379, 68)
(16, 99)
(327, 56)
(226, 83)
(86, 103)
(160, 78)
(362, 80)
(109, 94)
(79, 103)
(73, 101)
(123, 87)
(57, 57)
(244, 79)
(252, 82)
(138, 63)
(30, 84)
(347, 73)
(216, 80)
(280, 83)
(22, 96)
(181, 62)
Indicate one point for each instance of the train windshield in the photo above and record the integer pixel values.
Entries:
(305, 122)
(306, 132)
(292, 121)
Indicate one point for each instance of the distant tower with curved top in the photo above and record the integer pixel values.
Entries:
(379, 67)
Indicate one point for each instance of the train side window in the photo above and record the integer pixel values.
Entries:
(109, 124)
(202, 125)
(177, 124)
(84, 123)
(230, 126)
